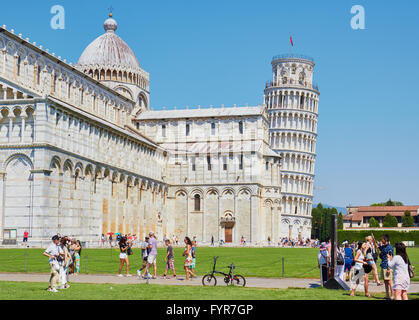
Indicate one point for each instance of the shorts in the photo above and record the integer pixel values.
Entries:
(151, 258)
(123, 255)
(384, 274)
(170, 264)
(192, 266)
(145, 259)
(371, 262)
(348, 264)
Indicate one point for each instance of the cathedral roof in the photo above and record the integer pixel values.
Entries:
(200, 113)
(109, 51)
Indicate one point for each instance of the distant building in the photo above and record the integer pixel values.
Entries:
(359, 217)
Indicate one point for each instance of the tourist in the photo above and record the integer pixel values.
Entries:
(369, 258)
(53, 252)
(177, 240)
(110, 240)
(269, 241)
(123, 256)
(349, 258)
(65, 262)
(169, 259)
(400, 266)
(192, 266)
(77, 253)
(212, 240)
(340, 262)
(25, 236)
(387, 274)
(145, 250)
(152, 256)
(102, 240)
(358, 268)
(188, 256)
(242, 240)
(323, 263)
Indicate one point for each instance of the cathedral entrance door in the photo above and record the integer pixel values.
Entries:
(228, 234)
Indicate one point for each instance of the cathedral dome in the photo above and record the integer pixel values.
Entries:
(109, 52)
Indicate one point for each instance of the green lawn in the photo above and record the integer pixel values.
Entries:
(250, 262)
(78, 291)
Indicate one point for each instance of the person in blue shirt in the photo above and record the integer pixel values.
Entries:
(349, 258)
(385, 249)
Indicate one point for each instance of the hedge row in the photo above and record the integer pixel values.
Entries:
(395, 236)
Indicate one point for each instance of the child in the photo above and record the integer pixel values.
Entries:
(169, 259)
(192, 266)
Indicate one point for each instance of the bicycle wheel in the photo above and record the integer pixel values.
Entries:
(209, 280)
(238, 280)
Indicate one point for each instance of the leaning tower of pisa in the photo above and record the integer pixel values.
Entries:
(292, 104)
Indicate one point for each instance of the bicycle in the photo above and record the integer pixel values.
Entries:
(235, 279)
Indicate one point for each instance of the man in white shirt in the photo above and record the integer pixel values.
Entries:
(53, 252)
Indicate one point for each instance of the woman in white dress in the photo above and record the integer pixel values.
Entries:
(399, 263)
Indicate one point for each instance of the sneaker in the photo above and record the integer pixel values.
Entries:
(128, 275)
(52, 290)
(119, 275)
(139, 273)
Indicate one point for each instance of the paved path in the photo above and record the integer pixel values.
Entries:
(251, 282)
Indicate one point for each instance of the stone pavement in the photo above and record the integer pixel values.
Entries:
(250, 282)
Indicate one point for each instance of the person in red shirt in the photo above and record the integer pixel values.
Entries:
(25, 236)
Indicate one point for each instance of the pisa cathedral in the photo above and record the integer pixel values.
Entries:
(82, 153)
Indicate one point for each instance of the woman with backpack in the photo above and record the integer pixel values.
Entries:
(400, 265)
(340, 263)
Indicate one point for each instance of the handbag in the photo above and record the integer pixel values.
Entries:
(129, 251)
(411, 269)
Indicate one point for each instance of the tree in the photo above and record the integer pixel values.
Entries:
(390, 221)
(374, 223)
(340, 221)
(388, 203)
(407, 220)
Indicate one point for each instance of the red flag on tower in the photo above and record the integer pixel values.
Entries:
(292, 43)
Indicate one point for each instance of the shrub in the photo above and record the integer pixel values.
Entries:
(374, 223)
(390, 221)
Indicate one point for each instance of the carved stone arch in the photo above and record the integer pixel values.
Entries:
(244, 193)
(268, 203)
(285, 221)
(212, 192)
(23, 157)
(68, 166)
(195, 191)
(228, 191)
(79, 167)
(181, 192)
(114, 177)
(56, 164)
(296, 222)
(88, 171)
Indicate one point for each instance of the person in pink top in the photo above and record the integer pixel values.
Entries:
(25, 236)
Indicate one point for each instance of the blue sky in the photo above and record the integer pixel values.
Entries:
(219, 52)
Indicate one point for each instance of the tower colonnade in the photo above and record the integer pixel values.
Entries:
(292, 101)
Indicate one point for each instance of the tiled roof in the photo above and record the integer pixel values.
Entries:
(380, 211)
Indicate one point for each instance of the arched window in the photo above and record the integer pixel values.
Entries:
(197, 198)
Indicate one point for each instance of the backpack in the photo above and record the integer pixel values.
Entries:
(340, 259)
(129, 251)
